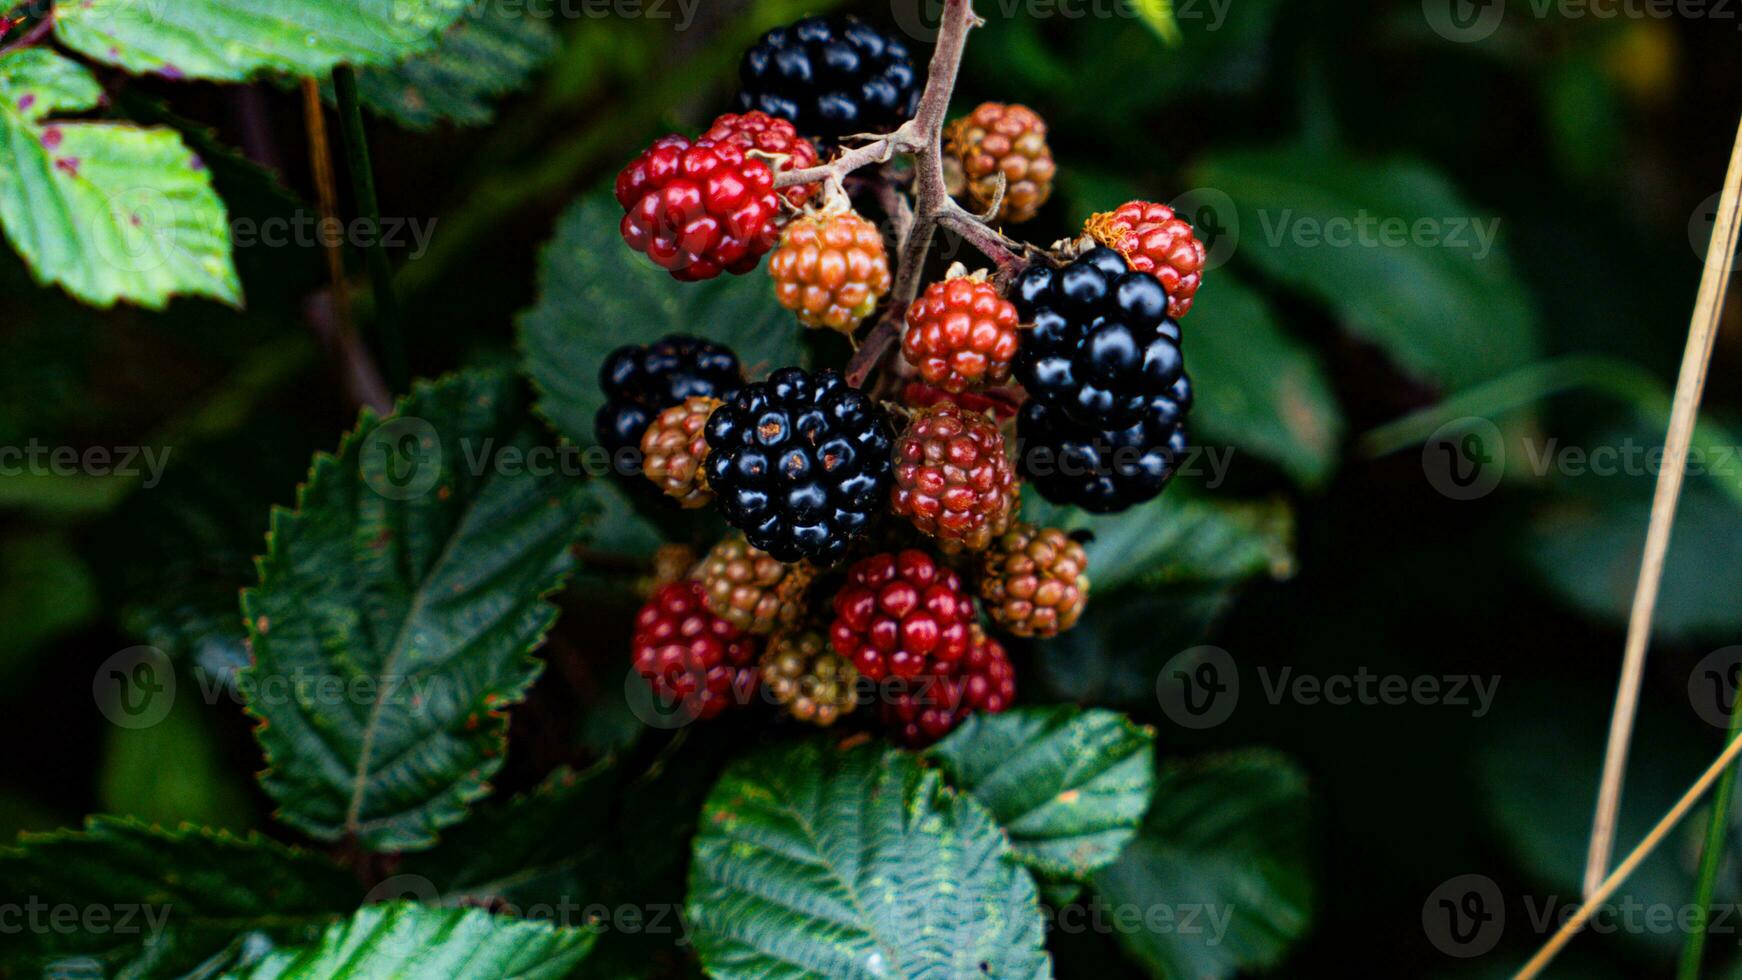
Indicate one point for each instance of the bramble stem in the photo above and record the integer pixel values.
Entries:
(923, 136)
(1711, 857)
(363, 186)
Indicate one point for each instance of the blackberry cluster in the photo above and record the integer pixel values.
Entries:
(1101, 347)
(800, 463)
(640, 382)
(832, 76)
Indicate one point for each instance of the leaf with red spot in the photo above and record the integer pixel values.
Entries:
(111, 213)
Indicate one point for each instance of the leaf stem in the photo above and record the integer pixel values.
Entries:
(363, 186)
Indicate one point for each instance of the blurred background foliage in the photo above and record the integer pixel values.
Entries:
(1596, 144)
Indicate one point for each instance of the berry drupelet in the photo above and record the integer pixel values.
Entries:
(1155, 240)
(901, 615)
(920, 711)
(832, 76)
(1101, 348)
(640, 382)
(1104, 472)
(689, 655)
(699, 208)
(800, 464)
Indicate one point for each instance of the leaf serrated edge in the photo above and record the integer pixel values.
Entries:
(1146, 734)
(471, 787)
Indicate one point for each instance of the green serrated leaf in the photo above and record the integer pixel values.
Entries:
(1178, 539)
(817, 862)
(1226, 842)
(596, 295)
(1285, 411)
(487, 53)
(1445, 303)
(234, 40)
(1069, 786)
(108, 212)
(400, 939)
(169, 900)
(1158, 14)
(408, 585)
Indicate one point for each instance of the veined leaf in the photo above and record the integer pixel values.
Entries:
(817, 862)
(109, 212)
(486, 54)
(234, 40)
(1226, 843)
(596, 295)
(401, 939)
(1069, 786)
(1283, 411)
(408, 586)
(1178, 539)
(1403, 259)
(185, 895)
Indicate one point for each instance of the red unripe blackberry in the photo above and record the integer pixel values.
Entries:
(961, 333)
(1010, 140)
(1155, 241)
(918, 394)
(900, 614)
(699, 208)
(953, 479)
(831, 270)
(775, 137)
(691, 656)
(920, 711)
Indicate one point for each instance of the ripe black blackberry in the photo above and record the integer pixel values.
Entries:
(1101, 348)
(800, 464)
(640, 382)
(832, 76)
(1103, 472)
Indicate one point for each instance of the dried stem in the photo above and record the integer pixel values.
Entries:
(335, 320)
(1696, 358)
(1607, 886)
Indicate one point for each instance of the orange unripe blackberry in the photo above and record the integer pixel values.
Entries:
(805, 675)
(673, 449)
(1034, 581)
(1154, 240)
(831, 270)
(1004, 139)
(748, 588)
(961, 333)
(953, 479)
